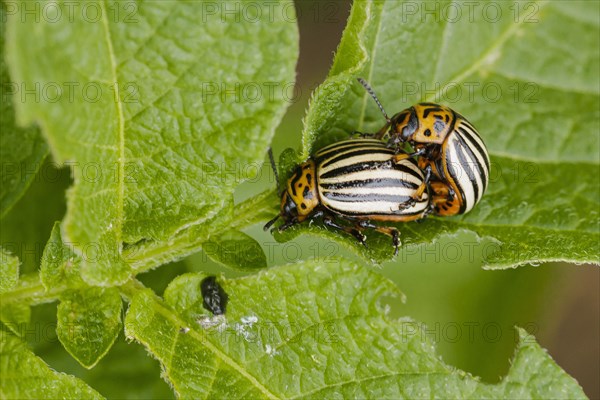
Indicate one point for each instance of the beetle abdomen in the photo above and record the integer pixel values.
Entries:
(358, 178)
(468, 164)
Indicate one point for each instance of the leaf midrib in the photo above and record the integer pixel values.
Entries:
(121, 130)
(200, 339)
(497, 45)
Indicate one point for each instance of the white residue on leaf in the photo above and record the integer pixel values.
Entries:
(208, 322)
(270, 350)
(240, 329)
(246, 323)
(249, 320)
(315, 359)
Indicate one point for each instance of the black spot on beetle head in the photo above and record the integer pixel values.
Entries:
(307, 194)
(309, 179)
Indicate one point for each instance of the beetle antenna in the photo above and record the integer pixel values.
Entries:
(272, 160)
(370, 90)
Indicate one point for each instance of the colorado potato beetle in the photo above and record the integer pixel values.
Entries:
(355, 181)
(449, 149)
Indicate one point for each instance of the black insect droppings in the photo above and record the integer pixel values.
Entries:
(214, 298)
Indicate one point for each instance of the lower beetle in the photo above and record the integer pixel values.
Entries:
(355, 181)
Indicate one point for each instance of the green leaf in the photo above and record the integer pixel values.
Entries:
(529, 81)
(27, 226)
(89, 318)
(9, 270)
(322, 320)
(89, 321)
(25, 376)
(237, 250)
(15, 310)
(16, 317)
(60, 265)
(22, 150)
(159, 124)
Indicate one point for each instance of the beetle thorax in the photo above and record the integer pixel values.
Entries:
(423, 123)
(300, 197)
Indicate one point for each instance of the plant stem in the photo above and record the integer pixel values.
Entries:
(30, 289)
(146, 256)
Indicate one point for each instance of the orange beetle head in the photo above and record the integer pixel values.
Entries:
(423, 123)
(300, 197)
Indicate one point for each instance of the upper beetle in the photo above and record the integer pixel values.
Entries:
(449, 150)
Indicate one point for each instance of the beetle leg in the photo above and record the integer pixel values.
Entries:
(328, 221)
(386, 230)
(419, 193)
(400, 156)
(428, 211)
(287, 225)
(362, 135)
(451, 193)
(403, 156)
(317, 214)
(382, 132)
(407, 204)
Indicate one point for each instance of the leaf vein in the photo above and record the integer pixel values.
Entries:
(121, 128)
(494, 46)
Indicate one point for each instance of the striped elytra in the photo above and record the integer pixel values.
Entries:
(449, 149)
(358, 178)
(352, 182)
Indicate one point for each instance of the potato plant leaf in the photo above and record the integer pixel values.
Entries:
(89, 321)
(60, 265)
(528, 81)
(16, 317)
(9, 270)
(314, 330)
(236, 250)
(25, 376)
(158, 115)
(15, 311)
(89, 318)
(22, 149)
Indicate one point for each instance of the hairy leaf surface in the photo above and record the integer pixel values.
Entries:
(528, 81)
(158, 116)
(315, 331)
(25, 376)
